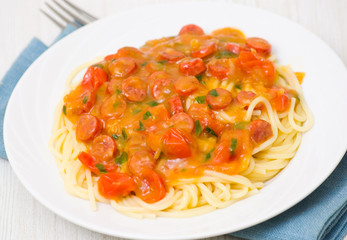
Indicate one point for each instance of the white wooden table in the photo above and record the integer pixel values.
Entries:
(21, 216)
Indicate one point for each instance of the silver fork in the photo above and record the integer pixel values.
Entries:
(68, 13)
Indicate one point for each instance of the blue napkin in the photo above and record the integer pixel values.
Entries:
(322, 215)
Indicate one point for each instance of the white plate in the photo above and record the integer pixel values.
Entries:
(29, 116)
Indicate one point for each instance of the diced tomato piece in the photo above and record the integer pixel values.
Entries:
(185, 86)
(171, 55)
(140, 160)
(113, 107)
(219, 98)
(115, 185)
(134, 89)
(192, 66)
(79, 100)
(300, 76)
(150, 186)
(236, 48)
(262, 46)
(122, 67)
(91, 163)
(87, 127)
(205, 50)
(161, 88)
(260, 131)
(154, 141)
(279, 99)
(221, 68)
(191, 29)
(94, 78)
(177, 143)
(175, 104)
(103, 148)
(183, 121)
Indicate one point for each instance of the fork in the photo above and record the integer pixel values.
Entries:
(68, 13)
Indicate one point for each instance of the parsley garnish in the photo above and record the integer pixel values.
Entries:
(238, 86)
(141, 127)
(124, 134)
(213, 92)
(210, 131)
(121, 158)
(183, 170)
(64, 109)
(136, 111)
(152, 104)
(163, 61)
(233, 146)
(208, 156)
(118, 91)
(200, 99)
(198, 129)
(226, 54)
(144, 64)
(115, 136)
(116, 104)
(101, 168)
(240, 125)
(146, 115)
(199, 77)
(85, 99)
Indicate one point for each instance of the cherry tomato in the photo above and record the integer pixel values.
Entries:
(91, 163)
(115, 185)
(113, 107)
(236, 48)
(193, 66)
(129, 52)
(177, 143)
(150, 186)
(171, 55)
(279, 99)
(154, 140)
(103, 148)
(94, 78)
(219, 98)
(122, 67)
(87, 127)
(134, 89)
(79, 100)
(139, 160)
(185, 86)
(262, 46)
(161, 88)
(183, 121)
(204, 51)
(260, 131)
(221, 68)
(260, 68)
(175, 104)
(191, 29)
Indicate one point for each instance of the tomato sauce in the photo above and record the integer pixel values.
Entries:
(131, 110)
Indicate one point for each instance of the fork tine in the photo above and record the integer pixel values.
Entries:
(75, 16)
(61, 26)
(91, 17)
(60, 15)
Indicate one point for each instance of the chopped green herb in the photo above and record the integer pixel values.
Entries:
(200, 99)
(141, 127)
(152, 104)
(124, 134)
(115, 136)
(198, 129)
(136, 111)
(208, 156)
(238, 86)
(297, 98)
(233, 146)
(118, 91)
(199, 77)
(101, 168)
(64, 109)
(85, 99)
(144, 64)
(226, 54)
(146, 115)
(213, 92)
(210, 131)
(116, 104)
(163, 61)
(209, 106)
(121, 158)
(183, 170)
(99, 66)
(240, 125)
